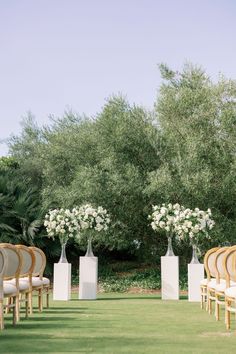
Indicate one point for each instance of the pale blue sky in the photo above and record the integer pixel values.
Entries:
(75, 53)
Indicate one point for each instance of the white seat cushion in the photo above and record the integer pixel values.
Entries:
(204, 281)
(212, 284)
(231, 292)
(46, 281)
(22, 284)
(9, 288)
(35, 281)
(222, 286)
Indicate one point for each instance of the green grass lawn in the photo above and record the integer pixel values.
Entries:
(119, 323)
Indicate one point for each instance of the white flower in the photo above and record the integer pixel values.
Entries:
(98, 227)
(162, 224)
(153, 225)
(163, 211)
(99, 220)
(91, 218)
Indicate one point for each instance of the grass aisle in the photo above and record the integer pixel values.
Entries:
(119, 323)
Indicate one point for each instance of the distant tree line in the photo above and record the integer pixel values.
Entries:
(126, 159)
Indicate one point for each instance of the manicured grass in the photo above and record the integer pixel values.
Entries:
(116, 323)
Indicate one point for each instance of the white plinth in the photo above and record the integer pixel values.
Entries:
(88, 278)
(170, 278)
(195, 275)
(62, 281)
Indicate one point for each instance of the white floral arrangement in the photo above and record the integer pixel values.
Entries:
(90, 218)
(194, 225)
(164, 217)
(62, 223)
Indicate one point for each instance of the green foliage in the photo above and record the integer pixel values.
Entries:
(127, 159)
(98, 161)
(198, 126)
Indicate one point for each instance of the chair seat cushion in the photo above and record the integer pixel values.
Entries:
(231, 292)
(212, 284)
(35, 281)
(222, 286)
(8, 288)
(204, 282)
(22, 284)
(46, 281)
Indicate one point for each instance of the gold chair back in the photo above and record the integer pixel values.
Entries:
(219, 258)
(209, 263)
(3, 265)
(40, 261)
(229, 264)
(14, 263)
(28, 260)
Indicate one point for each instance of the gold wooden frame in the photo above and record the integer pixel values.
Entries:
(39, 274)
(229, 300)
(219, 294)
(14, 296)
(27, 292)
(203, 288)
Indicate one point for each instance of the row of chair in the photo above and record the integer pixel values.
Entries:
(219, 286)
(21, 274)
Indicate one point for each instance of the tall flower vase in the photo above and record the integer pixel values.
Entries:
(194, 259)
(89, 252)
(63, 258)
(170, 251)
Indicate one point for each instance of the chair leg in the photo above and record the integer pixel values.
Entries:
(217, 309)
(31, 302)
(1, 315)
(40, 303)
(202, 297)
(8, 309)
(208, 300)
(227, 314)
(209, 306)
(47, 298)
(17, 307)
(15, 310)
(26, 305)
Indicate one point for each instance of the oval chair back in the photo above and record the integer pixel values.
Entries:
(14, 263)
(229, 264)
(40, 261)
(209, 263)
(219, 258)
(3, 266)
(28, 260)
(3, 262)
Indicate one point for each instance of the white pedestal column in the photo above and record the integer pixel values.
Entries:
(88, 278)
(170, 278)
(62, 281)
(195, 275)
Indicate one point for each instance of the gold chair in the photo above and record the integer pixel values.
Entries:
(39, 282)
(210, 272)
(10, 264)
(230, 292)
(218, 281)
(222, 283)
(25, 280)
